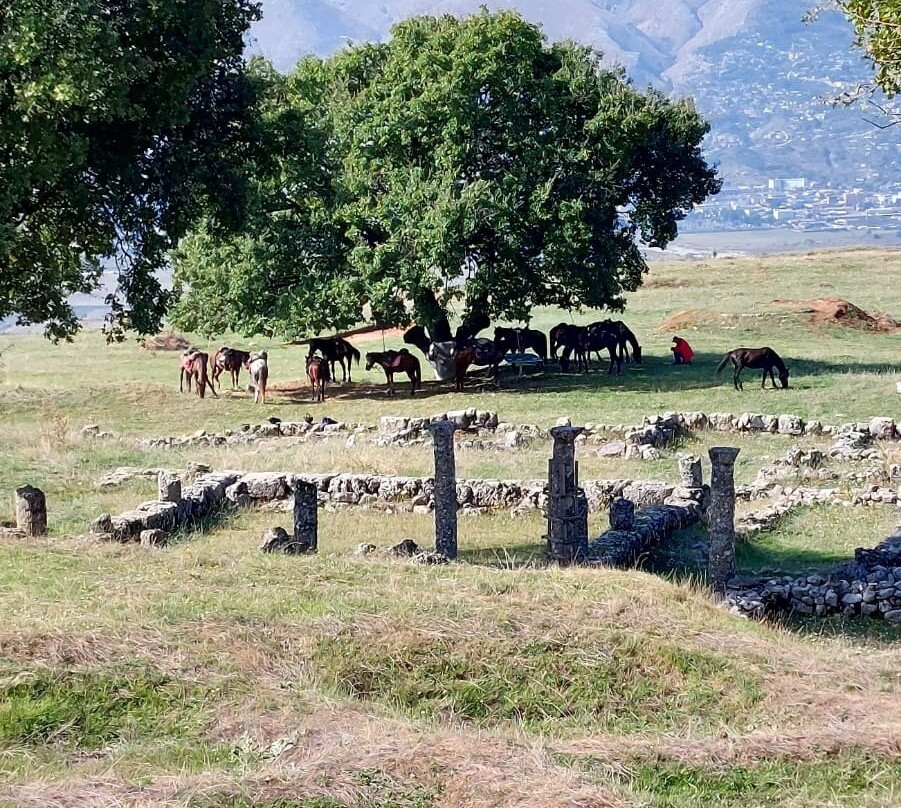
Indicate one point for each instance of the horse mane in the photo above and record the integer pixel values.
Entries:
(629, 336)
(777, 360)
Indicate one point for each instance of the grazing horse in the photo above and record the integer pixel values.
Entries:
(392, 362)
(258, 365)
(624, 338)
(519, 340)
(336, 349)
(755, 358)
(230, 359)
(193, 366)
(318, 373)
(598, 339)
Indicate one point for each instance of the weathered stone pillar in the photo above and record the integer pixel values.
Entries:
(168, 487)
(721, 517)
(31, 511)
(567, 510)
(445, 488)
(306, 516)
(690, 473)
(622, 514)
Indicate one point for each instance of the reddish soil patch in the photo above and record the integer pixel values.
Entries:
(836, 311)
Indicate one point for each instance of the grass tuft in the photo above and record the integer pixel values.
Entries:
(89, 709)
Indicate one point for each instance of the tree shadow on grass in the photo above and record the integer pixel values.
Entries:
(656, 375)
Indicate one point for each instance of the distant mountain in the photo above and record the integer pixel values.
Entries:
(759, 74)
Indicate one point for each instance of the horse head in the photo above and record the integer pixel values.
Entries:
(370, 361)
(636, 354)
(783, 378)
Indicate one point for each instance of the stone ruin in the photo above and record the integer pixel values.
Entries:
(870, 586)
(664, 509)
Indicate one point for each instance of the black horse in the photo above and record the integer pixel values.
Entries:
(520, 340)
(580, 341)
(624, 338)
(756, 358)
(336, 349)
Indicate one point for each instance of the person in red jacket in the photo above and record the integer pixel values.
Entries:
(682, 352)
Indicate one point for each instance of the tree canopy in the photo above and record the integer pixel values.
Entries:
(877, 25)
(462, 160)
(121, 120)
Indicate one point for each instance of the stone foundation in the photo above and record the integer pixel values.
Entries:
(870, 586)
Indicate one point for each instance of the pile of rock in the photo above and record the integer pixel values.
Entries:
(869, 586)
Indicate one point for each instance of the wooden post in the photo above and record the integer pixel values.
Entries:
(31, 511)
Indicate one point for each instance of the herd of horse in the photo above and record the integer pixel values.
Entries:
(568, 343)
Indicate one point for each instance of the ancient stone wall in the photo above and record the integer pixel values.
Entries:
(868, 586)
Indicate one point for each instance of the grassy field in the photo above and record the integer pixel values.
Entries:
(208, 675)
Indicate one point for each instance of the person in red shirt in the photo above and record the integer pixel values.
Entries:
(682, 352)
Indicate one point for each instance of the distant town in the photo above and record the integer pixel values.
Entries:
(799, 204)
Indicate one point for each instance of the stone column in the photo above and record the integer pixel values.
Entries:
(168, 487)
(721, 518)
(445, 488)
(567, 510)
(31, 511)
(690, 473)
(306, 517)
(622, 514)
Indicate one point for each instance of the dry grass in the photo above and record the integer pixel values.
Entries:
(692, 686)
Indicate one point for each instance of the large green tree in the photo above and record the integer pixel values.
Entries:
(463, 160)
(119, 121)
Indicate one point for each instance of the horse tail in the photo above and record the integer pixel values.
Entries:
(354, 353)
(723, 363)
(417, 374)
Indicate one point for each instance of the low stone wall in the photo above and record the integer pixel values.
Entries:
(482, 429)
(369, 489)
(869, 586)
(234, 488)
(200, 499)
(653, 525)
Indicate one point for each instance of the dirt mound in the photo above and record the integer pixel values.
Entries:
(836, 311)
(692, 318)
(166, 342)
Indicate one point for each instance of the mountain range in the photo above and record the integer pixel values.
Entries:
(760, 74)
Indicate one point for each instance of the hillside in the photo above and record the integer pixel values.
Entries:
(754, 68)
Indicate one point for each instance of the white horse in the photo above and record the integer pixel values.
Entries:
(258, 365)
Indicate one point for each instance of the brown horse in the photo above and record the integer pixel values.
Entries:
(230, 359)
(758, 359)
(392, 362)
(318, 373)
(477, 352)
(193, 366)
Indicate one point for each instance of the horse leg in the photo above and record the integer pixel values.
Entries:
(348, 367)
(736, 381)
(412, 383)
(390, 378)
